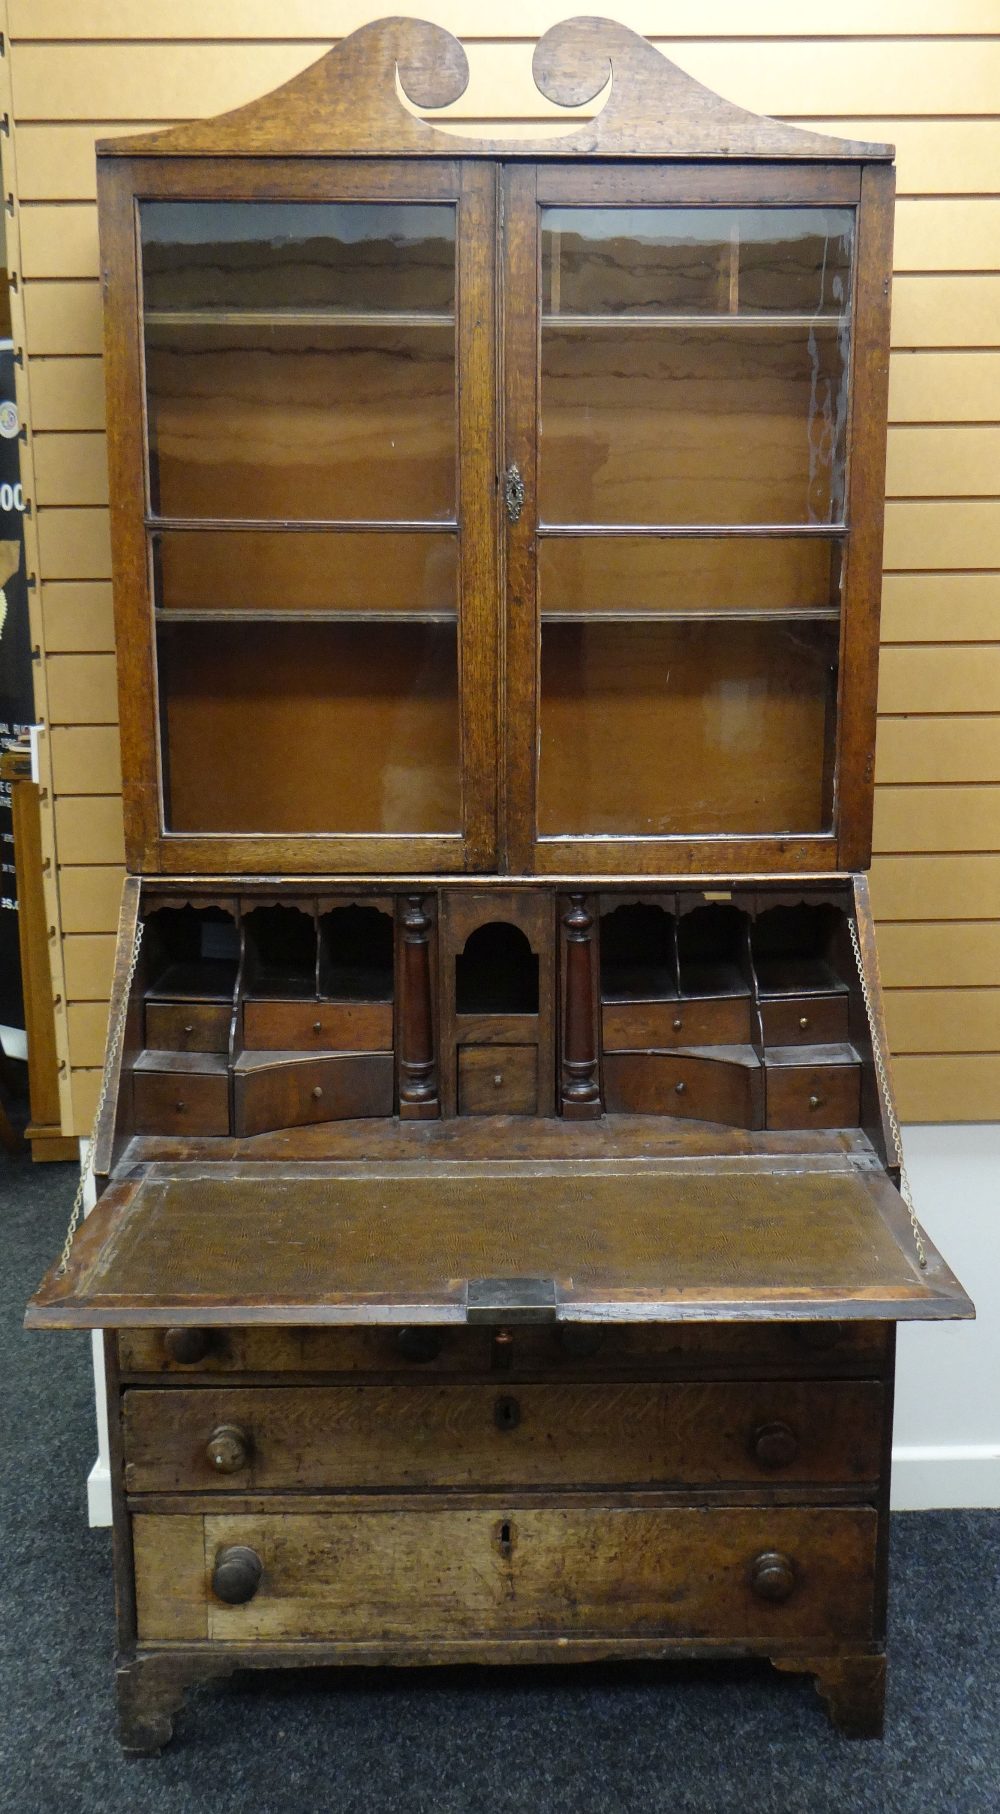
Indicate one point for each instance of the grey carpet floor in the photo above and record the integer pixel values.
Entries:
(669, 1739)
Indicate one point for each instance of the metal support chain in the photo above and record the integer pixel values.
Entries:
(881, 1071)
(114, 1046)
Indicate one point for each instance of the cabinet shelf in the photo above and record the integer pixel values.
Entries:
(737, 319)
(250, 615)
(807, 614)
(296, 318)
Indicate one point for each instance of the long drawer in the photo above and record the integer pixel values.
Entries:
(484, 1436)
(747, 1575)
(565, 1349)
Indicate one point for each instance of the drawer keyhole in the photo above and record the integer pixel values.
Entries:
(506, 1413)
(505, 1539)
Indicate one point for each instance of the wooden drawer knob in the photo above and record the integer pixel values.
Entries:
(772, 1576)
(237, 1574)
(416, 1344)
(775, 1445)
(228, 1449)
(815, 1102)
(678, 1023)
(186, 1347)
(506, 1413)
(317, 1026)
(317, 1092)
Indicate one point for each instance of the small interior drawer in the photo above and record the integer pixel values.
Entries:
(701, 1088)
(813, 1095)
(808, 1020)
(628, 1026)
(180, 1101)
(307, 1026)
(188, 1026)
(497, 1080)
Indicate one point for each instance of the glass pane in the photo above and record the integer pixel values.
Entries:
(300, 366)
(619, 575)
(300, 359)
(694, 365)
(686, 729)
(309, 727)
(264, 571)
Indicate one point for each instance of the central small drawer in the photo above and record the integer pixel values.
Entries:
(490, 1435)
(497, 1080)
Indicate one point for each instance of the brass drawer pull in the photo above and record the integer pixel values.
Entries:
(506, 1413)
(317, 1092)
(774, 1445)
(228, 1449)
(237, 1574)
(772, 1576)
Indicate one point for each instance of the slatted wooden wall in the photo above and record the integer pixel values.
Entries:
(922, 73)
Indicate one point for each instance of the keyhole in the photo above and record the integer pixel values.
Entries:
(505, 1539)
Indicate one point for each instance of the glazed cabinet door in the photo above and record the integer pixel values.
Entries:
(694, 432)
(301, 358)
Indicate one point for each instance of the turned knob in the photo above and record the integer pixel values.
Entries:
(189, 1028)
(772, 1575)
(236, 1575)
(680, 1088)
(775, 1445)
(317, 1026)
(803, 1021)
(416, 1344)
(180, 1106)
(579, 1341)
(317, 1093)
(678, 1023)
(497, 1079)
(506, 1413)
(188, 1346)
(228, 1449)
(815, 1102)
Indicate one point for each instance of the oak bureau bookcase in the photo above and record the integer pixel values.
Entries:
(501, 1231)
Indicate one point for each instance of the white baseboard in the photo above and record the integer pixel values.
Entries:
(99, 1495)
(927, 1479)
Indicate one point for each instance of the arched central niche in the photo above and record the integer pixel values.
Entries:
(496, 972)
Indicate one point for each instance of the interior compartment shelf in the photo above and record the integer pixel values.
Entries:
(295, 318)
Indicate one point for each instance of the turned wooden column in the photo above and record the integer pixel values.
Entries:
(580, 1091)
(418, 1088)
